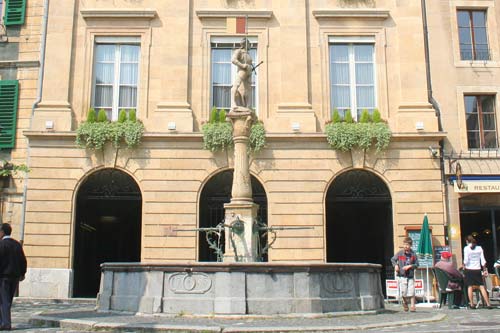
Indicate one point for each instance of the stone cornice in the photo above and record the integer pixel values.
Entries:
(367, 13)
(19, 63)
(398, 136)
(112, 13)
(217, 13)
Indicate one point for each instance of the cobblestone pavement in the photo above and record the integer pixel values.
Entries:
(77, 316)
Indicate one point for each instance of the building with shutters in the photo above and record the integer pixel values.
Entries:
(170, 61)
(20, 31)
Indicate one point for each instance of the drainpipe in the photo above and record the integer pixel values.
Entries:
(33, 107)
(436, 106)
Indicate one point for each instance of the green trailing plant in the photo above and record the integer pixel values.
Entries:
(346, 135)
(8, 169)
(218, 133)
(217, 136)
(94, 135)
(257, 138)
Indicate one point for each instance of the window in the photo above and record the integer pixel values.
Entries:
(223, 71)
(352, 75)
(481, 123)
(116, 74)
(472, 35)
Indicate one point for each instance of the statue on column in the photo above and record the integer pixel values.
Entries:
(241, 90)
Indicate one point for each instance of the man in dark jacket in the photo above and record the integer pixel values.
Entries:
(12, 270)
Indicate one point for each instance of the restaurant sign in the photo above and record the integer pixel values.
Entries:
(477, 186)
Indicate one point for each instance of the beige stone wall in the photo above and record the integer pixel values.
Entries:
(26, 64)
(295, 169)
(452, 78)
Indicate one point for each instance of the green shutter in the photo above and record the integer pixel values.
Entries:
(9, 93)
(14, 12)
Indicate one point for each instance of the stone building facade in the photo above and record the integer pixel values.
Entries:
(168, 60)
(468, 99)
(21, 26)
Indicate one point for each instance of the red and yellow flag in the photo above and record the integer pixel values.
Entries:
(236, 25)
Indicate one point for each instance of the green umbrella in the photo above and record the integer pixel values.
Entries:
(424, 250)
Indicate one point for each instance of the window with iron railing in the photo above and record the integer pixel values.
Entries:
(473, 35)
(481, 121)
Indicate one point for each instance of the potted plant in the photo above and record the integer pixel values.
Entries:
(345, 134)
(8, 169)
(218, 133)
(97, 130)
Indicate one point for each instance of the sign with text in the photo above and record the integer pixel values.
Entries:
(415, 236)
(438, 250)
(478, 186)
(392, 288)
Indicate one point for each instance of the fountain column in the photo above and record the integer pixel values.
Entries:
(241, 241)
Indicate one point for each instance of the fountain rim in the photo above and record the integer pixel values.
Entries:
(254, 267)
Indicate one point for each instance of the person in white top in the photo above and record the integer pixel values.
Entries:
(475, 267)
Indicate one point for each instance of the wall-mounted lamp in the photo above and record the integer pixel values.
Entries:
(434, 151)
(171, 125)
(295, 126)
(49, 124)
(419, 125)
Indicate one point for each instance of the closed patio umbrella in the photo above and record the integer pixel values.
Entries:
(424, 250)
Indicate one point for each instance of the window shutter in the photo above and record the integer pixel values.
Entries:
(14, 12)
(9, 93)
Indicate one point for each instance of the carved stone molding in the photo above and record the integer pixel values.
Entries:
(189, 283)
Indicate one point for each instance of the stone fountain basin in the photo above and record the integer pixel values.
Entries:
(240, 288)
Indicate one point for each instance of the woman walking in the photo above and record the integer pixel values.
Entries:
(475, 267)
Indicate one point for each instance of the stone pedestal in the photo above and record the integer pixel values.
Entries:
(241, 240)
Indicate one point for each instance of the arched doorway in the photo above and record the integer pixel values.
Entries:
(108, 227)
(359, 221)
(217, 192)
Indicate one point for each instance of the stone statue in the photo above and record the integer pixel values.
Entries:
(241, 90)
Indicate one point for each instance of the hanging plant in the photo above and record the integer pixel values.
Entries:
(345, 134)
(218, 133)
(96, 131)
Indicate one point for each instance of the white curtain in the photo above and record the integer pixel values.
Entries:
(109, 59)
(223, 72)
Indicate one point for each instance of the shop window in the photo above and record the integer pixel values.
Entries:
(13, 12)
(472, 34)
(352, 75)
(223, 71)
(116, 74)
(9, 94)
(481, 122)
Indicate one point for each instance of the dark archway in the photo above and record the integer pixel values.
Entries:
(217, 192)
(359, 225)
(108, 227)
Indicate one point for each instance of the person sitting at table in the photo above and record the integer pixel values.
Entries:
(456, 282)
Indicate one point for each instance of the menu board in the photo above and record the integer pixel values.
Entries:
(415, 236)
(438, 250)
